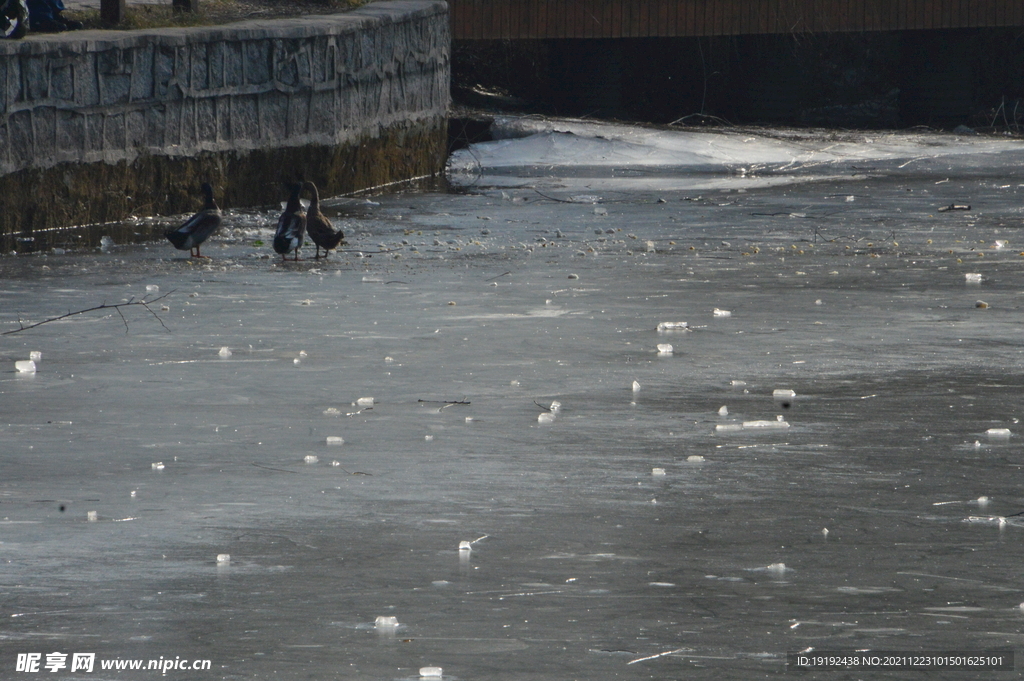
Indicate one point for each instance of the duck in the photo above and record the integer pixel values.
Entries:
(191, 235)
(291, 226)
(321, 231)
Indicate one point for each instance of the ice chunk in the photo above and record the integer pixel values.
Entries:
(546, 417)
(658, 472)
(332, 411)
(152, 288)
(650, 247)
(311, 459)
(431, 672)
(225, 351)
(158, 465)
(465, 546)
(777, 567)
(673, 326)
(783, 394)
(636, 386)
(983, 501)
(973, 278)
(223, 558)
(824, 531)
(296, 361)
(106, 242)
(335, 440)
(600, 211)
(723, 410)
(998, 433)
(35, 356)
(92, 516)
(302, 353)
(556, 407)
(514, 383)
(25, 366)
(998, 244)
(428, 438)
(695, 458)
(386, 622)
(665, 348)
(721, 313)
(723, 427)
(737, 384)
(778, 423)
(364, 402)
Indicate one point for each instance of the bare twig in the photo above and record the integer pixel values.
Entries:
(131, 301)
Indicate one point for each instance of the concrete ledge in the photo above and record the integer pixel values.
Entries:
(97, 125)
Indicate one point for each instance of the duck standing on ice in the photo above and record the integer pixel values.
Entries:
(198, 228)
(291, 226)
(321, 231)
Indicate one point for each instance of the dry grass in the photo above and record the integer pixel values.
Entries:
(214, 12)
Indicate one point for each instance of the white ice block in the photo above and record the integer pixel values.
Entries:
(721, 313)
(695, 458)
(658, 472)
(546, 417)
(364, 402)
(556, 406)
(783, 394)
(225, 351)
(152, 288)
(223, 558)
(311, 459)
(725, 427)
(465, 546)
(386, 622)
(972, 278)
(431, 672)
(92, 516)
(765, 424)
(636, 386)
(25, 366)
(35, 356)
(158, 465)
(335, 440)
(673, 326)
(723, 410)
(296, 361)
(998, 433)
(665, 348)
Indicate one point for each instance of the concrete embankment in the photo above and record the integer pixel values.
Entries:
(99, 125)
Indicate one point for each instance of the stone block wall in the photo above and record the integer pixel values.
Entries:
(98, 125)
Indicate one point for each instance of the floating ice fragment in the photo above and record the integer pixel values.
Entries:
(335, 440)
(106, 242)
(465, 546)
(673, 326)
(92, 516)
(636, 386)
(25, 366)
(35, 356)
(364, 402)
(973, 278)
(302, 353)
(428, 438)
(776, 567)
(723, 410)
(783, 394)
(296, 361)
(998, 433)
(665, 348)
(158, 465)
(723, 427)
(695, 458)
(818, 302)
(470, 419)
(998, 244)
(600, 211)
(779, 423)
(983, 501)
(311, 459)
(981, 305)
(849, 199)
(737, 384)
(665, 584)
(385, 622)
(152, 288)
(431, 672)
(332, 411)
(721, 313)
(824, 531)
(225, 351)
(223, 558)
(658, 472)
(574, 276)
(556, 407)
(546, 417)
(134, 493)
(991, 520)
(650, 247)
(389, 359)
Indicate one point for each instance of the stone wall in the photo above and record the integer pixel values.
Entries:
(98, 125)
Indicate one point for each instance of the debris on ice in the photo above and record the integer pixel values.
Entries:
(695, 458)
(431, 672)
(783, 394)
(973, 278)
(25, 366)
(385, 622)
(673, 326)
(335, 440)
(92, 516)
(364, 402)
(311, 459)
(35, 356)
(225, 351)
(223, 558)
(636, 386)
(658, 472)
(721, 313)
(665, 348)
(545, 417)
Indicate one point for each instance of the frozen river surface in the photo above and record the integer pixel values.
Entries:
(662, 524)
